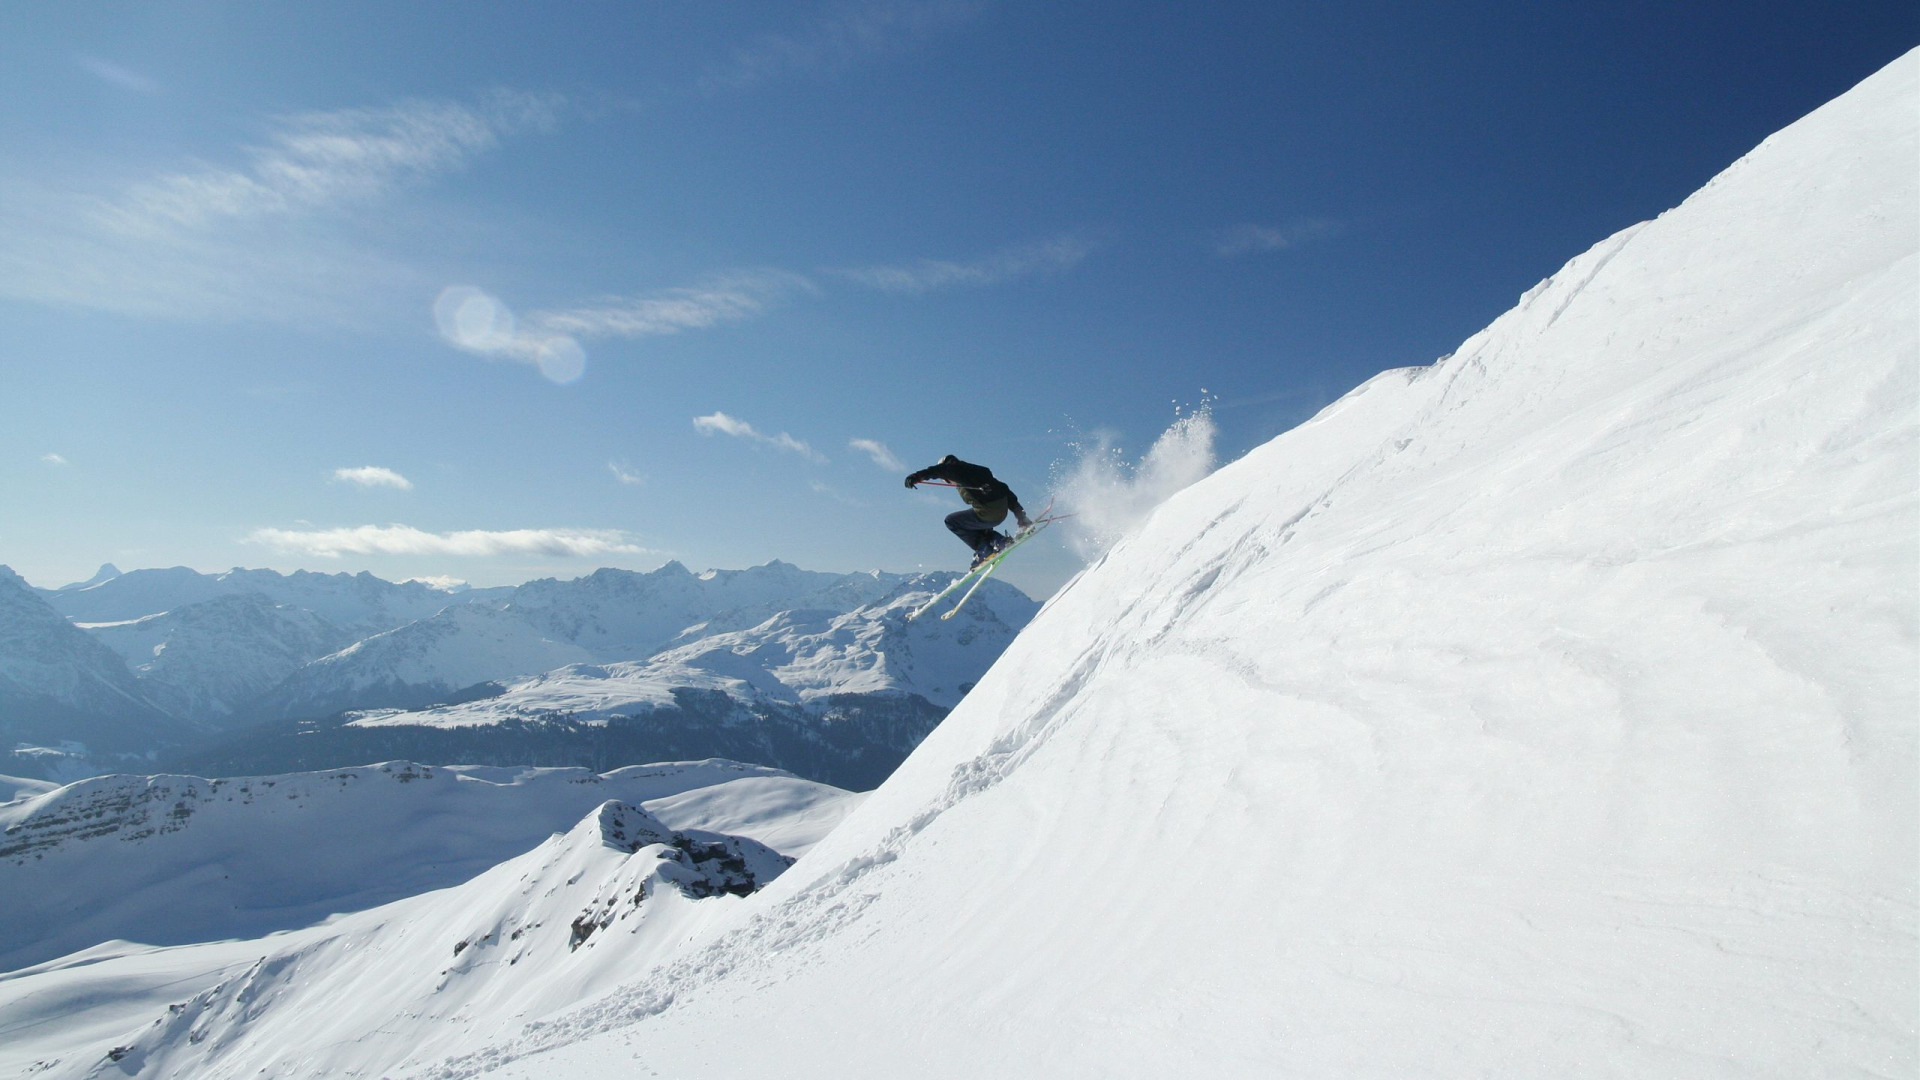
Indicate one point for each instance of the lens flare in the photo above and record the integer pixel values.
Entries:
(561, 359)
(472, 319)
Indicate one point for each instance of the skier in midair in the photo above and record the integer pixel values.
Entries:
(988, 502)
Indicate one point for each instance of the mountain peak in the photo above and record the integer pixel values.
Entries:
(106, 573)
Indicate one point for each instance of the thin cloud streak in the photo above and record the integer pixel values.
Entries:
(373, 476)
(110, 72)
(321, 160)
(1009, 264)
(847, 35)
(471, 543)
(720, 423)
(53, 459)
(625, 475)
(878, 451)
(1248, 238)
(725, 298)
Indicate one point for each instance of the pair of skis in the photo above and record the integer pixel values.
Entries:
(979, 574)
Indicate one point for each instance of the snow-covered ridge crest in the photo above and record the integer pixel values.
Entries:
(199, 859)
(1548, 711)
(372, 992)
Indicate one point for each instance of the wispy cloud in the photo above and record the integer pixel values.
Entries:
(263, 236)
(724, 298)
(830, 492)
(473, 543)
(53, 459)
(321, 160)
(474, 320)
(124, 78)
(720, 423)
(848, 33)
(1007, 264)
(373, 476)
(878, 451)
(624, 474)
(1248, 238)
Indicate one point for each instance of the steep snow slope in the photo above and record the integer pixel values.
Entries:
(1547, 712)
(166, 860)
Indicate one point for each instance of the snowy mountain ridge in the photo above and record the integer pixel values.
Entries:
(559, 919)
(242, 857)
(830, 631)
(359, 602)
(106, 573)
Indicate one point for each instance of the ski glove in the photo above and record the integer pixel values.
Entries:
(1025, 522)
(915, 478)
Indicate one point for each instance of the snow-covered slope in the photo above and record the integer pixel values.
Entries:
(166, 860)
(67, 701)
(365, 993)
(20, 787)
(1550, 711)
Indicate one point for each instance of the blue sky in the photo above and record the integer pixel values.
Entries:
(504, 291)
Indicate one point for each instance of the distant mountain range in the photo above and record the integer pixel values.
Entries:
(254, 671)
(62, 692)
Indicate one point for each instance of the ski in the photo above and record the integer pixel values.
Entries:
(987, 568)
(978, 574)
(946, 592)
(986, 571)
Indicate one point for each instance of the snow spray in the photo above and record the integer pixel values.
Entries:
(1110, 495)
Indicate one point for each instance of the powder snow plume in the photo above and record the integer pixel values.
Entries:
(1110, 495)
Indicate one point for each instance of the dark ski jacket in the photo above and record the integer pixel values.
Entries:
(989, 498)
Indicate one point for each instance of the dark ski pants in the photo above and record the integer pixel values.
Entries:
(968, 526)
